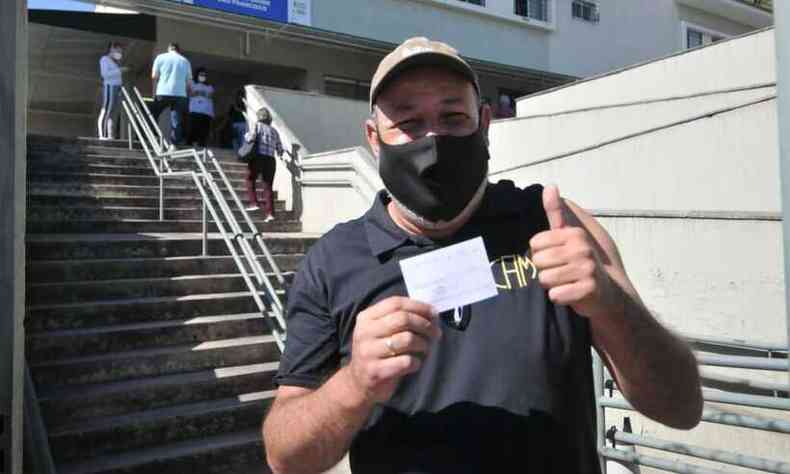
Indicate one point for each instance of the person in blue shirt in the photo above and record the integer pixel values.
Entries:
(172, 81)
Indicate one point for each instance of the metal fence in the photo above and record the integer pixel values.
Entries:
(717, 388)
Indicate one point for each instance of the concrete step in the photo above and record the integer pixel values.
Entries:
(70, 404)
(127, 365)
(52, 317)
(56, 177)
(133, 225)
(76, 146)
(111, 435)
(127, 160)
(237, 452)
(173, 188)
(149, 245)
(103, 290)
(138, 169)
(70, 343)
(115, 213)
(111, 200)
(95, 341)
(52, 271)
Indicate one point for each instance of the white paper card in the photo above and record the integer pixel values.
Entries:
(450, 277)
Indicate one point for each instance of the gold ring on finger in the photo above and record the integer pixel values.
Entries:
(390, 346)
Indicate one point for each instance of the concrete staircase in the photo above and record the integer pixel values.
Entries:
(147, 357)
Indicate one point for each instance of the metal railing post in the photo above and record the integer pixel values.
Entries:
(600, 427)
(161, 197)
(205, 230)
(205, 216)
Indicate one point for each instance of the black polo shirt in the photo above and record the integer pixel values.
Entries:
(507, 388)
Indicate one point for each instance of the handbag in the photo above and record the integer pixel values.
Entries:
(247, 150)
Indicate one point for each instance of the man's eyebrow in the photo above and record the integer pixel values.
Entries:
(452, 100)
(405, 107)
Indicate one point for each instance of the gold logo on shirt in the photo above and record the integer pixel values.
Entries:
(516, 272)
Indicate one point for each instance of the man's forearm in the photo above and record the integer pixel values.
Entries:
(311, 433)
(654, 369)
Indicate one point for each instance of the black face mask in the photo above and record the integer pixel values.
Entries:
(435, 176)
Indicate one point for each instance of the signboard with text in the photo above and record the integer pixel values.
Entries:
(282, 11)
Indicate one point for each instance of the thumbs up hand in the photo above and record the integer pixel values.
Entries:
(568, 263)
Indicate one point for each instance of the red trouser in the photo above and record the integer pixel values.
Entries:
(263, 166)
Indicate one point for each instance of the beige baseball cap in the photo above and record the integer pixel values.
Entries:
(419, 51)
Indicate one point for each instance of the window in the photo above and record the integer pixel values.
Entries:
(534, 9)
(695, 36)
(585, 10)
(346, 87)
(482, 3)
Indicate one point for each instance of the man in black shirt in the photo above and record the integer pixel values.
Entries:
(503, 384)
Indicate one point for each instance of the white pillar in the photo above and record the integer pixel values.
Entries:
(13, 130)
(782, 33)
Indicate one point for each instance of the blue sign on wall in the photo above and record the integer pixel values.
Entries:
(273, 10)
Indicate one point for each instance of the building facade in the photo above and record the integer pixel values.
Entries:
(517, 46)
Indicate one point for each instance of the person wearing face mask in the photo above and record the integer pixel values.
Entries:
(501, 385)
(112, 81)
(201, 109)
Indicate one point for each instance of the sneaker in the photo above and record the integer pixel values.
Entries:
(254, 207)
(268, 218)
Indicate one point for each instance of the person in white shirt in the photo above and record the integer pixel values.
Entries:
(112, 81)
(201, 109)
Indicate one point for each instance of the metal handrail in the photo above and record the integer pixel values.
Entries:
(711, 414)
(159, 154)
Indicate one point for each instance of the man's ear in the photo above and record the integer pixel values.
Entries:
(372, 136)
(485, 120)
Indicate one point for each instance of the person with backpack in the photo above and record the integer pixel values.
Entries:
(262, 143)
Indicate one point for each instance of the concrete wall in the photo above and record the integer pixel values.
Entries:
(336, 187)
(65, 84)
(699, 71)
(693, 204)
(13, 103)
(544, 137)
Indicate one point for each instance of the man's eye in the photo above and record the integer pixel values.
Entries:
(409, 125)
(455, 119)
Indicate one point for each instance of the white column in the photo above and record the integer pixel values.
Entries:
(13, 130)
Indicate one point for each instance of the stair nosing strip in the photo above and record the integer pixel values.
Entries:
(146, 259)
(159, 279)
